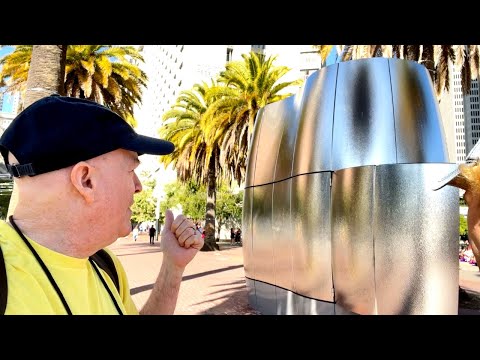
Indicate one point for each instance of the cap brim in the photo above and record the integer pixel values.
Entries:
(446, 180)
(455, 178)
(148, 145)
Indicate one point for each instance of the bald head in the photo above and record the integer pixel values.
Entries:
(42, 189)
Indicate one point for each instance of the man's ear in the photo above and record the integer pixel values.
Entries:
(81, 177)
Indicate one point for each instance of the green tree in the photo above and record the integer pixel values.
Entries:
(229, 208)
(463, 228)
(191, 197)
(143, 208)
(106, 74)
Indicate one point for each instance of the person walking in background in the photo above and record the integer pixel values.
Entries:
(135, 233)
(238, 236)
(73, 162)
(232, 235)
(151, 233)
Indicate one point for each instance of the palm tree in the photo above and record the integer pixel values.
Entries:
(194, 158)
(45, 76)
(102, 73)
(248, 85)
(14, 69)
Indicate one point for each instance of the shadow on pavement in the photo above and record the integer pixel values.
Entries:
(139, 289)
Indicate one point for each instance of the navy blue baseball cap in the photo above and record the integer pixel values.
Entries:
(59, 131)
(455, 178)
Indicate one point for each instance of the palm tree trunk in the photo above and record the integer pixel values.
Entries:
(45, 77)
(47, 72)
(210, 243)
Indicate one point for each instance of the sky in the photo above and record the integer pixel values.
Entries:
(7, 101)
(332, 57)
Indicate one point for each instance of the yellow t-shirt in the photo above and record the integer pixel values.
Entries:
(30, 291)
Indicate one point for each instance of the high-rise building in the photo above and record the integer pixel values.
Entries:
(9, 102)
(471, 110)
(303, 60)
(461, 118)
(8, 109)
(173, 68)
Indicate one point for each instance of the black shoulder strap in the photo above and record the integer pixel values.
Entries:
(105, 262)
(3, 285)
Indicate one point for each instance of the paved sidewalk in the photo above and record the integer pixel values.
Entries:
(214, 282)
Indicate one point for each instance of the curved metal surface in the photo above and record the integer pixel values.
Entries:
(416, 240)
(313, 148)
(262, 240)
(352, 239)
(283, 164)
(247, 236)
(362, 120)
(363, 125)
(310, 207)
(418, 128)
(273, 124)
(253, 150)
(282, 234)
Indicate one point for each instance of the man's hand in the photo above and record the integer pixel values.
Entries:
(180, 240)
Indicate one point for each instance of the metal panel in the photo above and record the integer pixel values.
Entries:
(247, 229)
(314, 140)
(416, 240)
(379, 235)
(285, 302)
(252, 299)
(282, 234)
(268, 144)
(253, 150)
(307, 306)
(312, 267)
(283, 169)
(266, 300)
(363, 126)
(418, 126)
(262, 249)
(352, 239)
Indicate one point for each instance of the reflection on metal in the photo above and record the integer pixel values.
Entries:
(312, 266)
(262, 229)
(339, 216)
(416, 241)
(282, 234)
(352, 239)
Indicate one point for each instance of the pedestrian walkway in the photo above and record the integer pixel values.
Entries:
(214, 282)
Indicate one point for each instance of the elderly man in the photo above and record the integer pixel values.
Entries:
(74, 165)
(467, 177)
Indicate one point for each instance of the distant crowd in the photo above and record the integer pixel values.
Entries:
(466, 254)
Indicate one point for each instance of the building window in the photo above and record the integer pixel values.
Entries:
(229, 52)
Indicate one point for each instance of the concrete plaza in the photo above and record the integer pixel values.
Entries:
(214, 282)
